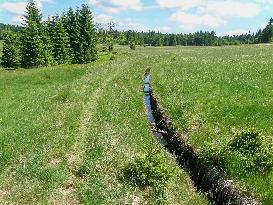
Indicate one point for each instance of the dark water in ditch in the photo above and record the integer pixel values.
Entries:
(151, 119)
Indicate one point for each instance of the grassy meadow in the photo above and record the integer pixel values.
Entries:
(67, 133)
(213, 96)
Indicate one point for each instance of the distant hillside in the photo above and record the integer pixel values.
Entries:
(4, 27)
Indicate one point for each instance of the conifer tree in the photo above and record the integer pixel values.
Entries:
(109, 40)
(88, 35)
(71, 25)
(32, 46)
(271, 21)
(59, 40)
(10, 55)
(35, 45)
(47, 45)
(32, 14)
(267, 33)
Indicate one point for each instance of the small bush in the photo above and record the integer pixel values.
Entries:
(247, 153)
(247, 143)
(254, 153)
(152, 171)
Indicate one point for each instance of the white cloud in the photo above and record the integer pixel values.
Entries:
(162, 29)
(16, 8)
(115, 6)
(197, 14)
(127, 24)
(232, 9)
(103, 19)
(165, 29)
(178, 4)
(216, 7)
(134, 26)
(120, 24)
(20, 7)
(265, 1)
(235, 32)
(17, 20)
(131, 24)
(190, 22)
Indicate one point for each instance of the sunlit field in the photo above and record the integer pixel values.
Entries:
(67, 133)
(130, 108)
(220, 99)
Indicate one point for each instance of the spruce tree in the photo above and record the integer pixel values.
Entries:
(88, 35)
(267, 33)
(110, 36)
(60, 41)
(32, 46)
(47, 45)
(32, 14)
(71, 25)
(35, 44)
(10, 55)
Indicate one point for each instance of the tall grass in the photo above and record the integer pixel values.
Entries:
(214, 95)
(68, 132)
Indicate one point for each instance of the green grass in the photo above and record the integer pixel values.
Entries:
(68, 132)
(213, 95)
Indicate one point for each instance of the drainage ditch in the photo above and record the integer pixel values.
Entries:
(211, 180)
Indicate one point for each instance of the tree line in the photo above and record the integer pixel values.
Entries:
(200, 38)
(5, 27)
(65, 39)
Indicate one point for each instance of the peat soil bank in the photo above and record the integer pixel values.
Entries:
(209, 179)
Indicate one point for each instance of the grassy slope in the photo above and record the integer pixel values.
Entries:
(58, 122)
(213, 93)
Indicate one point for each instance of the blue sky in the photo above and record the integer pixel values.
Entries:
(167, 16)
